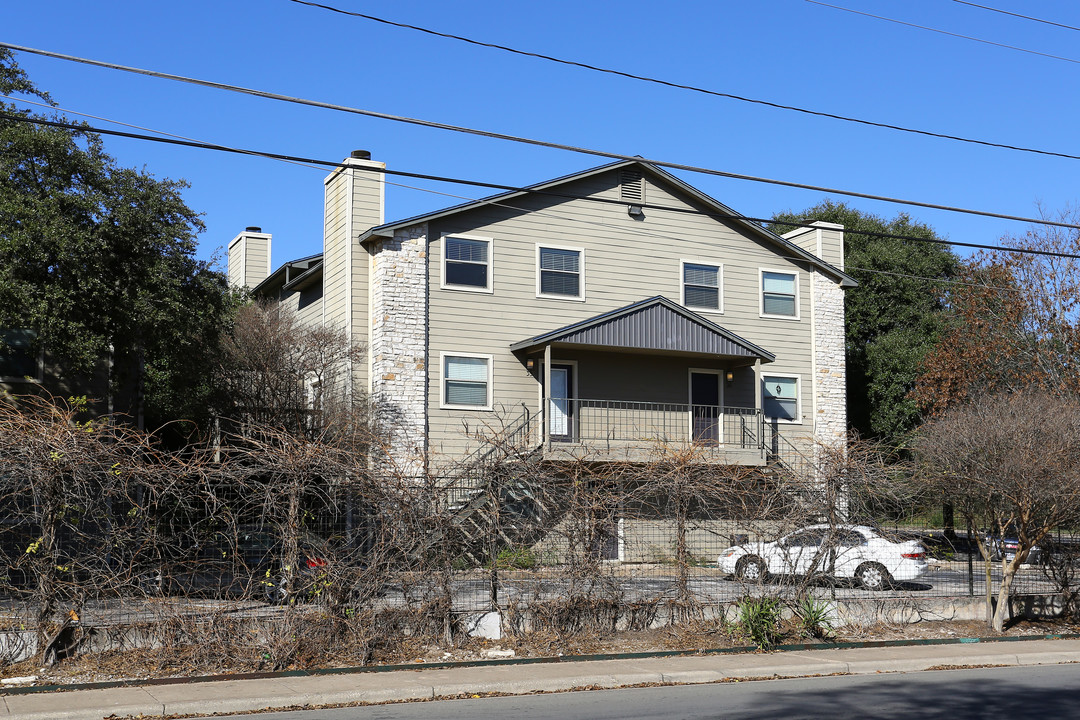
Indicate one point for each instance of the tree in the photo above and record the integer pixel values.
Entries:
(892, 319)
(99, 261)
(275, 371)
(1001, 466)
(1014, 322)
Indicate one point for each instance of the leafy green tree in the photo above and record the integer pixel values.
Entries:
(99, 261)
(893, 318)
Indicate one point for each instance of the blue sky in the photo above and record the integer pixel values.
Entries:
(785, 51)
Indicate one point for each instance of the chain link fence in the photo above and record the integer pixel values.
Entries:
(284, 550)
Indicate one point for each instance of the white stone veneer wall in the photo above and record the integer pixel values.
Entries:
(830, 377)
(399, 296)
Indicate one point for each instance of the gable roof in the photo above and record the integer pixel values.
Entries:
(289, 273)
(653, 324)
(752, 228)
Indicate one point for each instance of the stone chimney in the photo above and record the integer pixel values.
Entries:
(249, 258)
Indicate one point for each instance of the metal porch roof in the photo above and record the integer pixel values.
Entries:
(656, 324)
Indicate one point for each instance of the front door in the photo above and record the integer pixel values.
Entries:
(705, 407)
(561, 405)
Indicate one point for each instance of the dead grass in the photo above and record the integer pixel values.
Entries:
(142, 664)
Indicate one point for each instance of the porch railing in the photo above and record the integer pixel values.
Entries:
(627, 422)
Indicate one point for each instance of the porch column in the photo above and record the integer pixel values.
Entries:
(757, 402)
(757, 384)
(545, 395)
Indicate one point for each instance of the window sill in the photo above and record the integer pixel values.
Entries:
(477, 408)
(468, 288)
(564, 298)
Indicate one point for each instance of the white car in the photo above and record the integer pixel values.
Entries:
(853, 551)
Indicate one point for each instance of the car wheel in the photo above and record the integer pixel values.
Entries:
(873, 576)
(275, 590)
(751, 568)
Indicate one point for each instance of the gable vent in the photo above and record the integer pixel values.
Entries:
(632, 184)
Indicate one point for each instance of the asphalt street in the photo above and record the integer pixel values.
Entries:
(1003, 692)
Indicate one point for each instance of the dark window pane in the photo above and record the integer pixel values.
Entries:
(779, 305)
(701, 275)
(463, 273)
(778, 408)
(563, 260)
(702, 297)
(559, 283)
(460, 392)
(469, 250)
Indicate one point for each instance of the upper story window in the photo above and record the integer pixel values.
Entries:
(466, 381)
(466, 263)
(779, 293)
(18, 359)
(560, 272)
(780, 397)
(702, 286)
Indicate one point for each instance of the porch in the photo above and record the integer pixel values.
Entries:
(637, 430)
(626, 384)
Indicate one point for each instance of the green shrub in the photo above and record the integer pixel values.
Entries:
(814, 618)
(759, 618)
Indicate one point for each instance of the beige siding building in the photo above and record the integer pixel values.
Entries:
(602, 312)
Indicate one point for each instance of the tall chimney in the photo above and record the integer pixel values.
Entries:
(249, 258)
(353, 204)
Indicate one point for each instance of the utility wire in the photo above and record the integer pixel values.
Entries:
(683, 86)
(514, 188)
(531, 141)
(207, 145)
(946, 32)
(1025, 17)
(135, 127)
(546, 213)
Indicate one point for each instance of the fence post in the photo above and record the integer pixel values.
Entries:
(971, 567)
(494, 499)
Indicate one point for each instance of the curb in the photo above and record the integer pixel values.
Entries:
(445, 665)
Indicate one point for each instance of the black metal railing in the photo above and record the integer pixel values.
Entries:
(634, 422)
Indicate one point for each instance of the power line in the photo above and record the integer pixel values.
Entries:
(683, 86)
(1025, 17)
(946, 32)
(546, 213)
(531, 141)
(514, 188)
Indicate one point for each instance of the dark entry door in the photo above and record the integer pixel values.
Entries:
(705, 406)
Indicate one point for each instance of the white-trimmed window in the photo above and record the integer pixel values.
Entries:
(780, 398)
(466, 263)
(18, 359)
(466, 381)
(779, 293)
(560, 272)
(702, 286)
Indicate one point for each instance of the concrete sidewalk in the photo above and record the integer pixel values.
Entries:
(375, 687)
